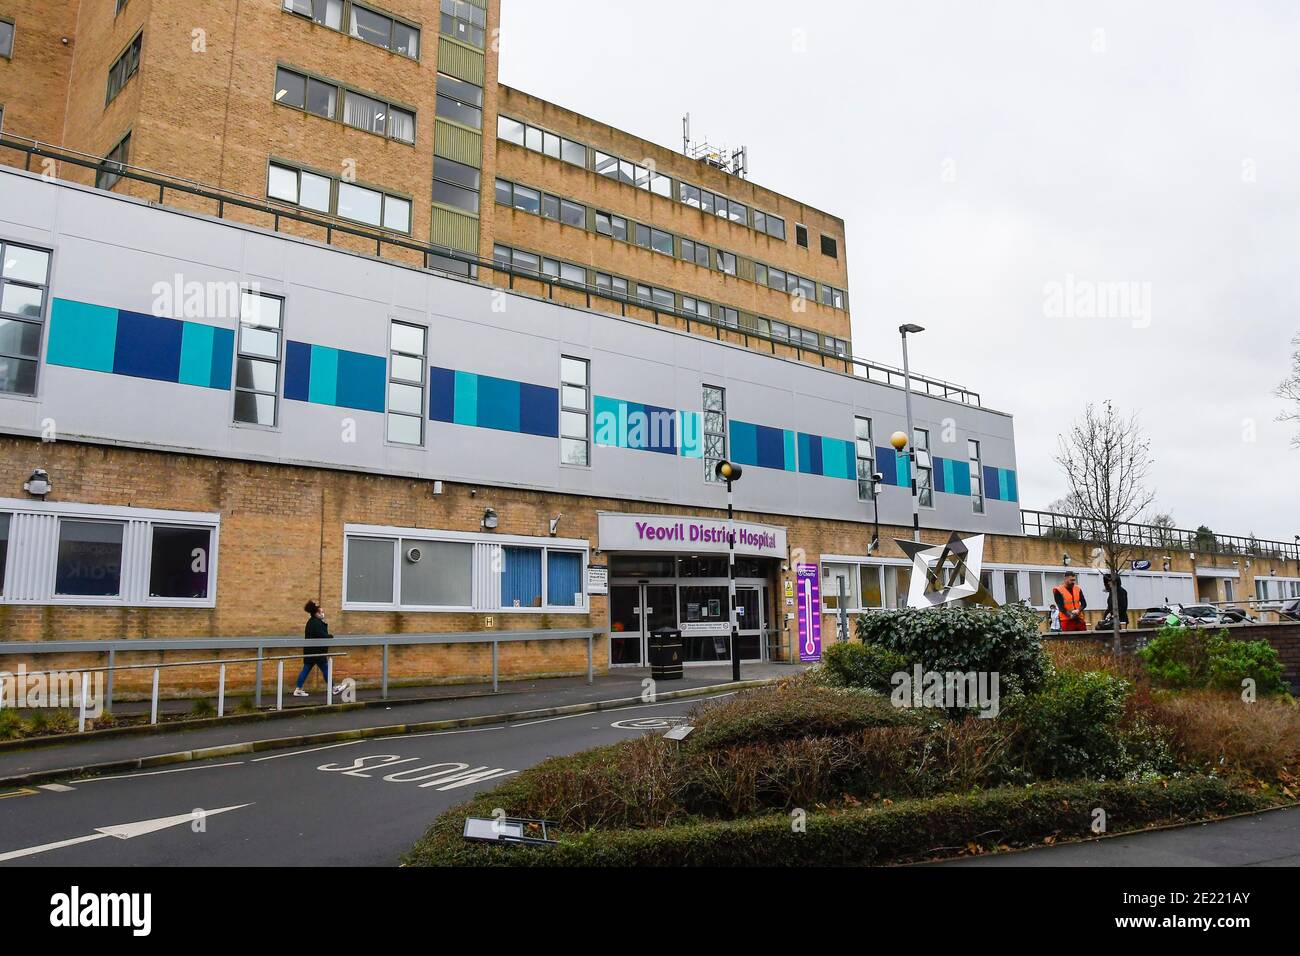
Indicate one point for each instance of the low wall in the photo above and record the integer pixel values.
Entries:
(1284, 638)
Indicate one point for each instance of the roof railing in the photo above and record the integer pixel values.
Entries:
(1046, 524)
(464, 266)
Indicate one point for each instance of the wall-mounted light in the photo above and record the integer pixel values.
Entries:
(555, 525)
(1272, 573)
(1067, 560)
(39, 484)
(490, 520)
(1169, 562)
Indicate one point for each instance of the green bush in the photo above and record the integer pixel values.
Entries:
(789, 711)
(1070, 727)
(1183, 658)
(910, 830)
(1005, 641)
(854, 664)
(11, 724)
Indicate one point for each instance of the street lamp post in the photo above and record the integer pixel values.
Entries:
(730, 473)
(876, 479)
(904, 331)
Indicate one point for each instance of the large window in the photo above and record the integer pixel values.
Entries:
(179, 562)
(976, 477)
(459, 101)
(385, 31)
(774, 226)
(696, 252)
(866, 451)
(882, 586)
(924, 468)
(306, 93)
(447, 571)
(89, 559)
(377, 116)
(527, 199)
(328, 13)
(541, 141)
(24, 281)
(575, 411)
(257, 367)
(320, 97)
(407, 362)
(655, 239)
(715, 430)
(631, 174)
(374, 208)
(6, 39)
(607, 224)
(464, 21)
(456, 184)
(123, 68)
(301, 188)
(720, 206)
(114, 164)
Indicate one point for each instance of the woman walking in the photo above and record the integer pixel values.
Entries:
(314, 656)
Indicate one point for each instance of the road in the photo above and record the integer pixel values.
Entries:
(356, 804)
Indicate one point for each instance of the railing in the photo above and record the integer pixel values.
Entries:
(470, 268)
(1045, 524)
(386, 642)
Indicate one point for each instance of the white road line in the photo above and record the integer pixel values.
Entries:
(448, 733)
(159, 773)
(55, 788)
(297, 753)
(615, 710)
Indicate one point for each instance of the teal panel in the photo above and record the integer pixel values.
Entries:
(791, 461)
(611, 421)
(324, 386)
(82, 336)
(466, 398)
(691, 434)
(838, 459)
(196, 354)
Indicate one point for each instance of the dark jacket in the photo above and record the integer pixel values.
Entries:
(1121, 599)
(317, 630)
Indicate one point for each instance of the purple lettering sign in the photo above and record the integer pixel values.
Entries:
(810, 617)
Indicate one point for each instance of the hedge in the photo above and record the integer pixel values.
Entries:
(902, 832)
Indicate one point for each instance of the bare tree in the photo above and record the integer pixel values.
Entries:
(1290, 390)
(1106, 459)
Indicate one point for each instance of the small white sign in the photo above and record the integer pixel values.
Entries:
(597, 579)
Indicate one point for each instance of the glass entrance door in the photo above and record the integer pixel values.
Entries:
(636, 610)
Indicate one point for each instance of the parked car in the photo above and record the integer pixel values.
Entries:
(1156, 617)
(1203, 615)
(1236, 615)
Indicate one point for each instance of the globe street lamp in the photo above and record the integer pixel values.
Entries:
(905, 331)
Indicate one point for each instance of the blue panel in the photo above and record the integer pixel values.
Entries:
(992, 484)
(498, 404)
(442, 394)
(805, 454)
(539, 410)
(942, 474)
(223, 357)
(840, 458)
(660, 429)
(148, 347)
(297, 372)
(196, 354)
(361, 382)
(771, 448)
(744, 443)
(886, 462)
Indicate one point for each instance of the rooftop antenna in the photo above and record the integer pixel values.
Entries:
(734, 162)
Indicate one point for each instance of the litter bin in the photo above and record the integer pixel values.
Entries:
(666, 654)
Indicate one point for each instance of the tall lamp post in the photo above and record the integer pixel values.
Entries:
(730, 473)
(904, 331)
(876, 479)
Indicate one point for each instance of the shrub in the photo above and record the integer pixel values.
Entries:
(1070, 728)
(1180, 657)
(854, 664)
(202, 708)
(1074, 654)
(790, 710)
(910, 830)
(1005, 641)
(11, 724)
(1214, 731)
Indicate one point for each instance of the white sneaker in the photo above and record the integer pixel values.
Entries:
(340, 688)
(299, 692)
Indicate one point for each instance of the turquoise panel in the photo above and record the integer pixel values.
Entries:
(82, 336)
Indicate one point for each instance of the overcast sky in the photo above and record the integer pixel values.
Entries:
(988, 156)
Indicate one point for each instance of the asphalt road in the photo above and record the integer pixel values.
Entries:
(354, 804)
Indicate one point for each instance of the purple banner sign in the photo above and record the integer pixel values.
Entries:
(810, 616)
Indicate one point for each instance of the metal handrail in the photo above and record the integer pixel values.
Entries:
(860, 368)
(1047, 524)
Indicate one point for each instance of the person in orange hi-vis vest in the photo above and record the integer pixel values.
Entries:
(1071, 603)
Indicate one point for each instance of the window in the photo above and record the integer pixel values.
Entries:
(729, 317)
(774, 226)
(780, 331)
(564, 584)
(540, 141)
(6, 39)
(521, 577)
(726, 262)
(257, 366)
(384, 31)
(641, 177)
(976, 477)
(457, 184)
(572, 214)
(24, 282)
(328, 13)
(375, 116)
(866, 451)
(870, 577)
(1036, 589)
(89, 559)
(801, 235)
(655, 239)
(1011, 583)
(610, 225)
(305, 93)
(655, 296)
(374, 208)
(575, 410)
(4, 548)
(776, 279)
(464, 21)
(830, 247)
(832, 297)
(715, 430)
(459, 101)
(697, 306)
(924, 468)
(370, 571)
(301, 188)
(696, 252)
(179, 562)
(123, 68)
(406, 365)
(436, 574)
(612, 283)
(839, 579)
(898, 580)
